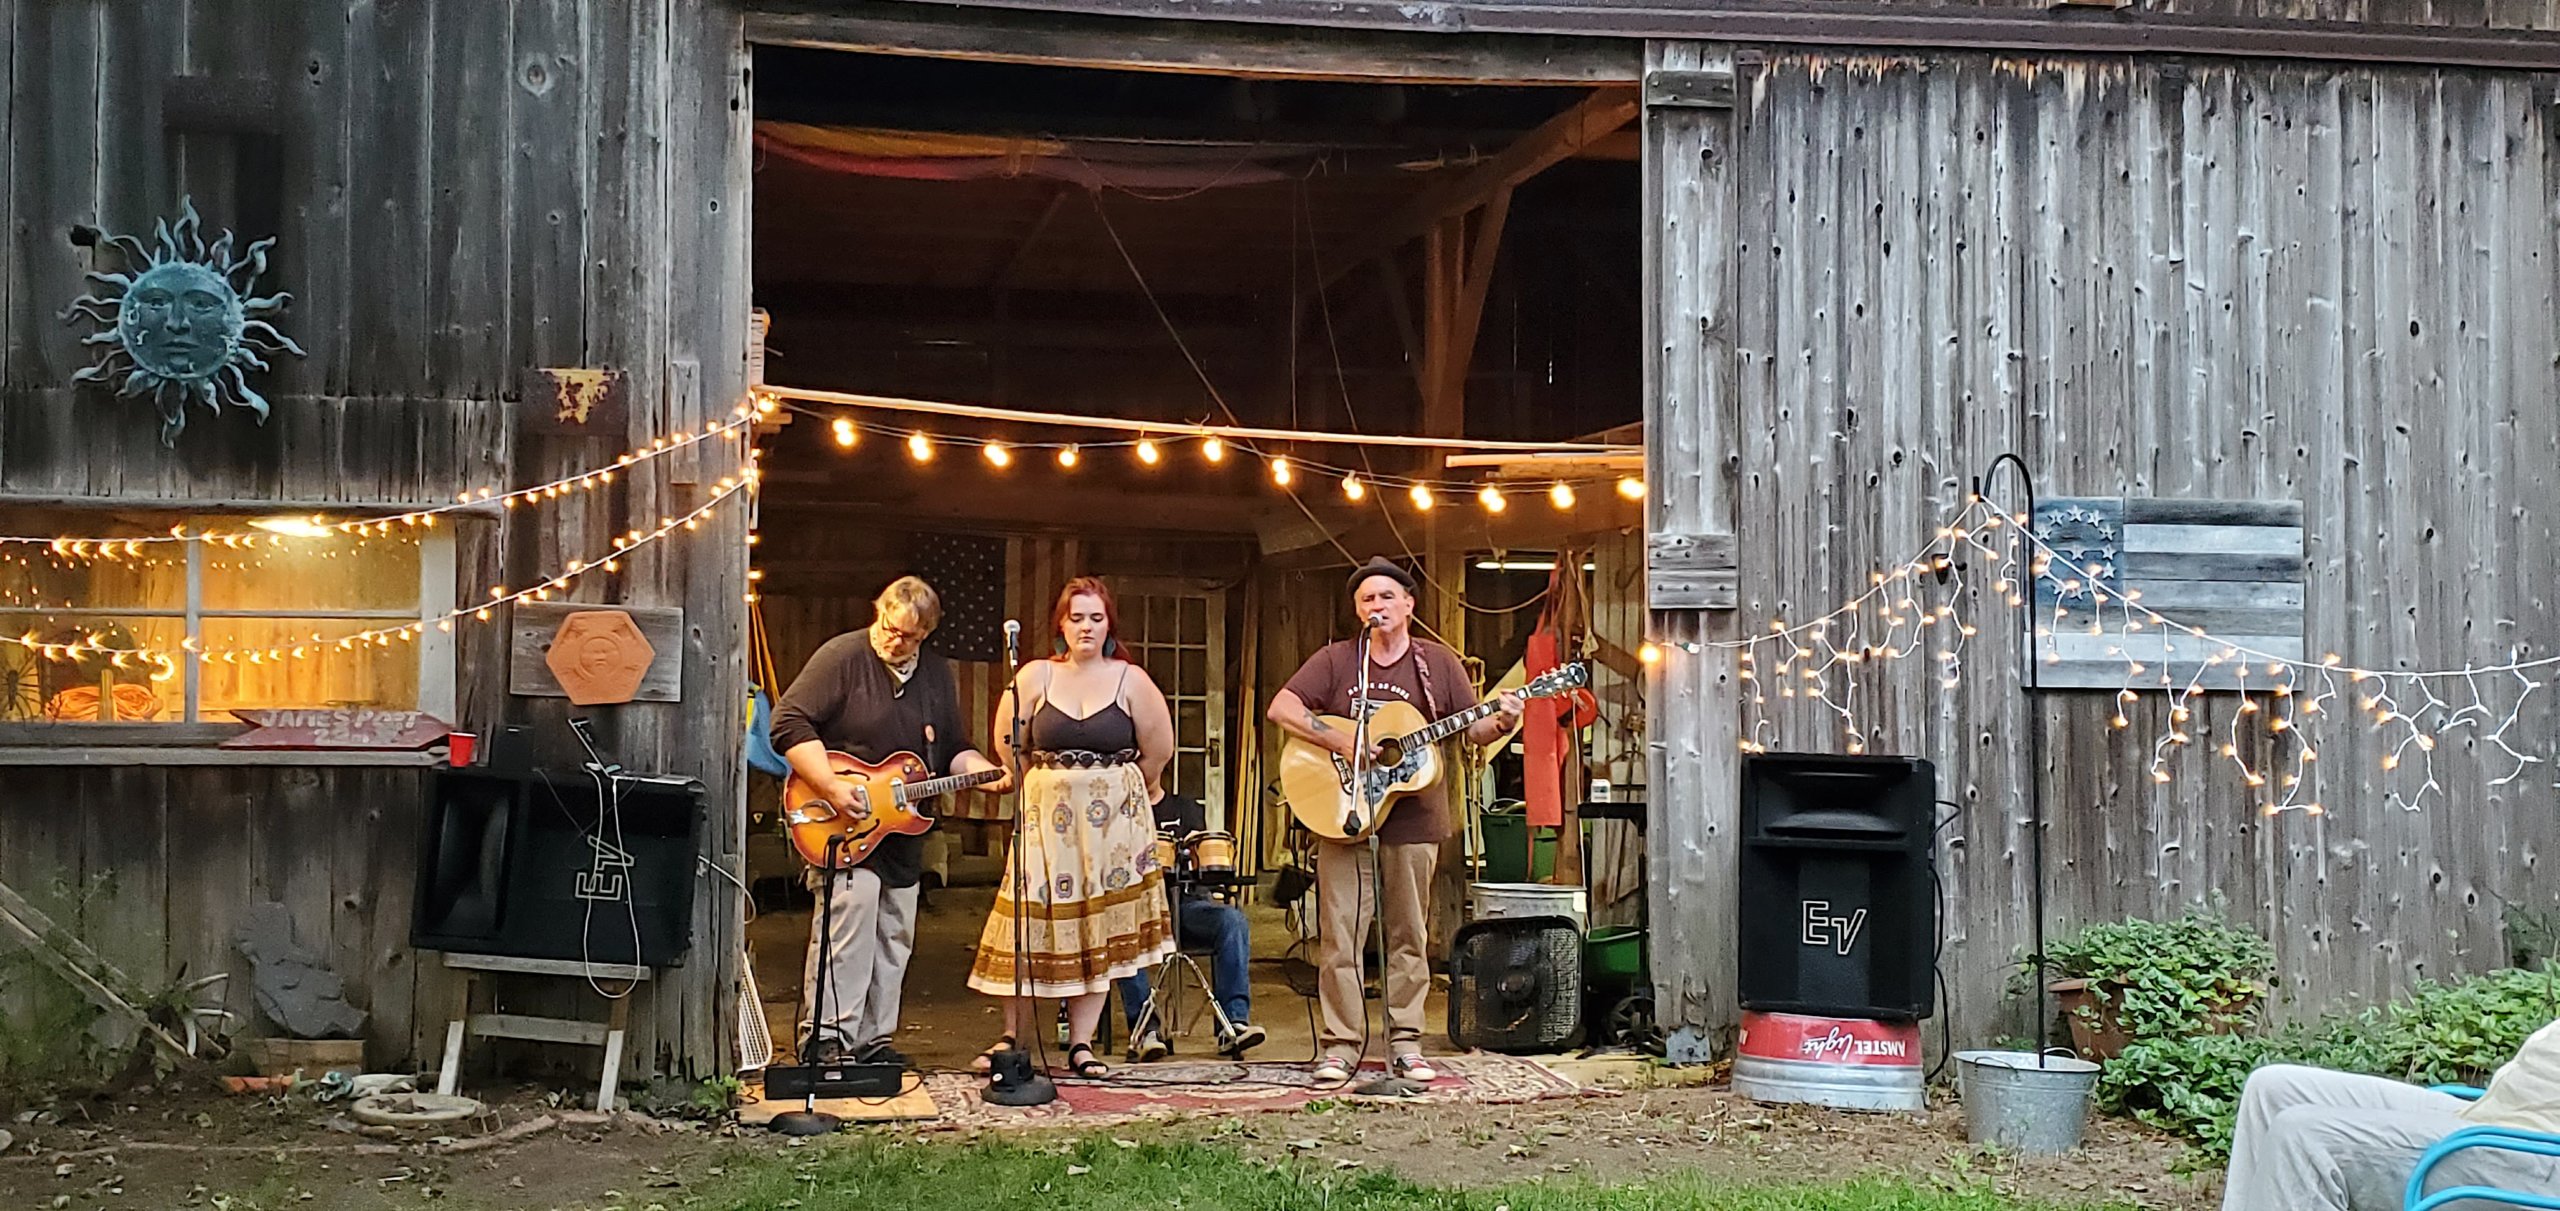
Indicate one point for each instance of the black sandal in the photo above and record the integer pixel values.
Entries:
(1089, 1068)
(986, 1061)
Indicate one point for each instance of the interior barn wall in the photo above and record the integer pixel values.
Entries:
(460, 194)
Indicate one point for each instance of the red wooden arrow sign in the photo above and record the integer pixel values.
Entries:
(338, 729)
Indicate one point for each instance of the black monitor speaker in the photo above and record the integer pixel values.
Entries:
(1838, 914)
(540, 864)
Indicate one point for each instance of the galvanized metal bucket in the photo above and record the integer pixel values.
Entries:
(2025, 1103)
(1507, 901)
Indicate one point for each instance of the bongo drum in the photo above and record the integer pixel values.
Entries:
(1212, 857)
(1168, 854)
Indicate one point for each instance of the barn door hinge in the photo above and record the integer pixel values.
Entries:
(1706, 89)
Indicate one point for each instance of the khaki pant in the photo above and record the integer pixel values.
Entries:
(872, 932)
(2313, 1140)
(1346, 898)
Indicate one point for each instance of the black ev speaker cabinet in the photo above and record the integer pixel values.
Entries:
(539, 865)
(1838, 912)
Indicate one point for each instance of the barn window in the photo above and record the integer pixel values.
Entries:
(217, 611)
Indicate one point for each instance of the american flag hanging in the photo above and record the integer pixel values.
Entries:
(2232, 568)
(968, 572)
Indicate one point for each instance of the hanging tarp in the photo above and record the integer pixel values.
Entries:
(925, 156)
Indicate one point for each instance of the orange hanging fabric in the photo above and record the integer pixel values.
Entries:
(1542, 774)
(1550, 723)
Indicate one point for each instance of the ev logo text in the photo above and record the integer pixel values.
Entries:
(1823, 929)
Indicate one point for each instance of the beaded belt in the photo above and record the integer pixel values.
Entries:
(1078, 758)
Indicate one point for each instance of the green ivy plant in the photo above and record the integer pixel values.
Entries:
(2444, 1032)
(2191, 975)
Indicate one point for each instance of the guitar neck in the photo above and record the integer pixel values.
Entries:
(943, 786)
(1452, 725)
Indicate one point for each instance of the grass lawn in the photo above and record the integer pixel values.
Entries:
(1102, 1174)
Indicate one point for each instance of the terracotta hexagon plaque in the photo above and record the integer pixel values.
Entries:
(599, 657)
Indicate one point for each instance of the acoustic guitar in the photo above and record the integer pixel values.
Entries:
(885, 796)
(1317, 782)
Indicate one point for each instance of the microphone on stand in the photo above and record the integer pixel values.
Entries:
(1012, 642)
(1377, 621)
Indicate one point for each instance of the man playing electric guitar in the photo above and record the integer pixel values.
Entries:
(871, 695)
(1402, 668)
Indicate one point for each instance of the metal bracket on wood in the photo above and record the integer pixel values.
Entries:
(93, 976)
(1688, 1045)
(1691, 572)
(1689, 89)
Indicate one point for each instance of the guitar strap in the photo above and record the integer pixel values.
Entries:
(1422, 677)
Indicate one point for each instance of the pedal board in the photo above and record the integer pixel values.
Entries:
(834, 1080)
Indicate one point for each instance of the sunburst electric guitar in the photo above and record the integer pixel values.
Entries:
(885, 797)
(1317, 782)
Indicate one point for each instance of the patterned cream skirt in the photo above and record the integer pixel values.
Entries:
(1098, 909)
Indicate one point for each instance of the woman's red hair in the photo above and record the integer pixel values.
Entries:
(1086, 586)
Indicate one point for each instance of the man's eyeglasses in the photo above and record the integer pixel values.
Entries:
(901, 634)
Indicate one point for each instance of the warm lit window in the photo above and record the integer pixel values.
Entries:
(306, 593)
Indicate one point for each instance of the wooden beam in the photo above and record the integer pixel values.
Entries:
(1625, 146)
(1793, 23)
(1200, 48)
(1485, 247)
(1557, 139)
(1391, 286)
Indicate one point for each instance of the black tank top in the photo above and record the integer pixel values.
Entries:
(1108, 730)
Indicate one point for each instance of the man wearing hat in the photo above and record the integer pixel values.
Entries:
(1402, 667)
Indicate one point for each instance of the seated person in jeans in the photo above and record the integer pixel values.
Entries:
(2309, 1139)
(1201, 922)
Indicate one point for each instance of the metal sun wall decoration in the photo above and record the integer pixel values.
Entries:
(180, 324)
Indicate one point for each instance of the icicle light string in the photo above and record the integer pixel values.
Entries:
(124, 548)
(2278, 700)
(166, 661)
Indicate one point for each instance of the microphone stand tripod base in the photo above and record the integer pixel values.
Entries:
(1013, 1082)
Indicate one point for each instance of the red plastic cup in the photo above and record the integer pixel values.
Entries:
(459, 748)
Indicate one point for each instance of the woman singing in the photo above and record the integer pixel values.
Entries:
(1100, 736)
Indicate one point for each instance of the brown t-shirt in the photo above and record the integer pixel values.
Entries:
(1430, 677)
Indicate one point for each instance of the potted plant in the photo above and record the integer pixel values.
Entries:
(2134, 979)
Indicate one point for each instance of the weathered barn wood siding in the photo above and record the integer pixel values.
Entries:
(1692, 274)
(2327, 285)
(1617, 752)
(462, 192)
(2196, 23)
(157, 868)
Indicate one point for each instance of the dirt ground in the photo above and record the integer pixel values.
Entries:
(234, 1153)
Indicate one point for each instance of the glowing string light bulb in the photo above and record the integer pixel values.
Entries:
(1280, 472)
(920, 447)
(1147, 452)
(1561, 495)
(1631, 488)
(1067, 457)
(1214, 449)
(997, 454)
(1352, 487)
(1492, 499)
(846, 435)
(1421, 496)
